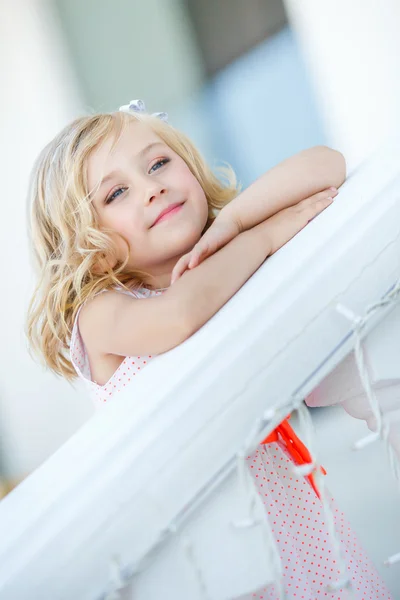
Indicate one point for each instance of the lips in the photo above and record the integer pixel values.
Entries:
(171, 208)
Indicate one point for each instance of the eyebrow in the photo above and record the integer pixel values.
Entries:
(140, 154)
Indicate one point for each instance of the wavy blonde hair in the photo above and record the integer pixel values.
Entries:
(67, 240)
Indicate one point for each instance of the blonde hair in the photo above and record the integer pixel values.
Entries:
(67, 240)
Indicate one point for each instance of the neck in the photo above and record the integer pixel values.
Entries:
(160, 277)
(159, 282)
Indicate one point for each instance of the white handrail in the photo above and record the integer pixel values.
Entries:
(138, 466)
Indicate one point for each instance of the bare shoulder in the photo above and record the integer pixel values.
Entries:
(118, 324)
(95, 322)
(96, 315)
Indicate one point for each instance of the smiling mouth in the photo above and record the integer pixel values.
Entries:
(169, 212)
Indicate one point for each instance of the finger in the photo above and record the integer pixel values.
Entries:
(184, 264)
(323, 202)
(180, 267)
(331, 192)
(198, 254)
(318, 206)
(178, 272)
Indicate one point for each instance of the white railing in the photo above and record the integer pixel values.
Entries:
(147, 491)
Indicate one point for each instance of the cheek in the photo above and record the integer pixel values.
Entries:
(198, 195)
(122, 220)
(127, 238)
(203, 204)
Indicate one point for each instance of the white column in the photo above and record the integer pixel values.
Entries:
(352, 49)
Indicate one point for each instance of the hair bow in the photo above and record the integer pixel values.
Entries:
(138, 106)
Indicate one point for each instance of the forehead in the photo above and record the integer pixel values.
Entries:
(127, 142)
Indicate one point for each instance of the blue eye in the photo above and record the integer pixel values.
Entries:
(159, 164)
(115, 194)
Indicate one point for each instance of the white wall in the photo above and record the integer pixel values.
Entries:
(352, 49)
(124, 49)
(38, 96)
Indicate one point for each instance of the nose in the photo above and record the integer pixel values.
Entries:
(154, 191)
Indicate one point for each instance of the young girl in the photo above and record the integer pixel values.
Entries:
(133, 260)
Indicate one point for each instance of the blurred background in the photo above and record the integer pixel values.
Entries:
(250, 81)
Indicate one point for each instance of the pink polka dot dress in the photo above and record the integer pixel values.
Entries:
(309, 559)
(295, 513)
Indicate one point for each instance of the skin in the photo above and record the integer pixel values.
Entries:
(132, 181)
(141, 177)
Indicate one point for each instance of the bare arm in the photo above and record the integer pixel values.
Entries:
(117, 324)
(135, 327)
(286, 184)
(291, 181)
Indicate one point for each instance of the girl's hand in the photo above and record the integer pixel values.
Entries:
(285, 224)
(222, 231)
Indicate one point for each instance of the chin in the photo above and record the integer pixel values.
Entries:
(184, 241)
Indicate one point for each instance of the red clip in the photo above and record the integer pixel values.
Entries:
(295, 447)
